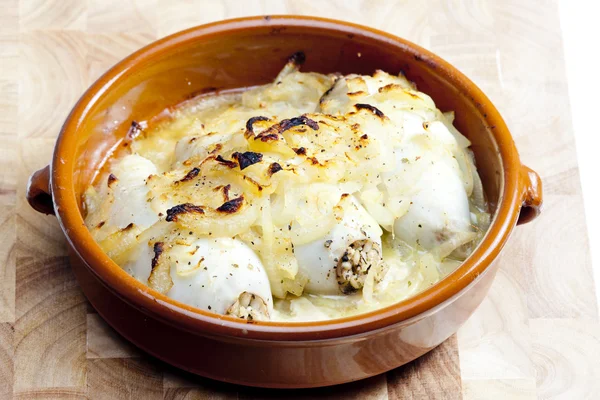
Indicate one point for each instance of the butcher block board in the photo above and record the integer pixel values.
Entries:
(537, 333)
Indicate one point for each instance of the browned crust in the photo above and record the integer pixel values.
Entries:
(252, 121)
(190, 175)
(225, 190)
(374, 110)
(301, 151)
(217, 148)
(247, 158)
(268, 135)
(227, 163)
(273, 133)
(388, 87)
(314, 161)
(160, 275)
(128, 227)
(111, 180)
(158, 250)
(231, 206)
(286, 124)
(274, 168)
(186, 208)
(252, 181)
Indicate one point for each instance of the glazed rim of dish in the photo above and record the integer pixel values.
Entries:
(205, 322)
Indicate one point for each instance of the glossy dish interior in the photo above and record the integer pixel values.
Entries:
(247, 52)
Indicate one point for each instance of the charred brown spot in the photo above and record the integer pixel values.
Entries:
(374, 110)
(359, 93)
(101, 224)
(328, 92)
(174, 212)
(274, 132)
(190, 175)
(247, 158)
(111, 179)
(314, 161)
(227, 163)
(267, 136)
(217, 148)
(344, 195)
(128, 227)
(158, 250)
(226, 189)
(274, 168)
(252, 181)
(252, 121)
(286, 124)
(231, 206)
(298, 58)
(134, 130)
(388, 87)
(364, 137)
(301, 151)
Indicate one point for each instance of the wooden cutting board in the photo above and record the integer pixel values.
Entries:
(535, 336)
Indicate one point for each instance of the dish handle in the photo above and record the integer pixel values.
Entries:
(531, 188)
(38, 191)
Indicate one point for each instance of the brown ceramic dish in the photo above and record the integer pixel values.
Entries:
(246, 52)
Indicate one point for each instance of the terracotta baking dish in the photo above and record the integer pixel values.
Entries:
(246, 52)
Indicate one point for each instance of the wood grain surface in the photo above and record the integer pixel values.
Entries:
(536, 335)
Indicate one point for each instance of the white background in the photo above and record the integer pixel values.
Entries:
(580, 24)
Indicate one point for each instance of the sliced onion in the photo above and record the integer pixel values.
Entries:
(216, 224)
(120, 245)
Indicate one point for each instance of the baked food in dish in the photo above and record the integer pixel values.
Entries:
(313, 197)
